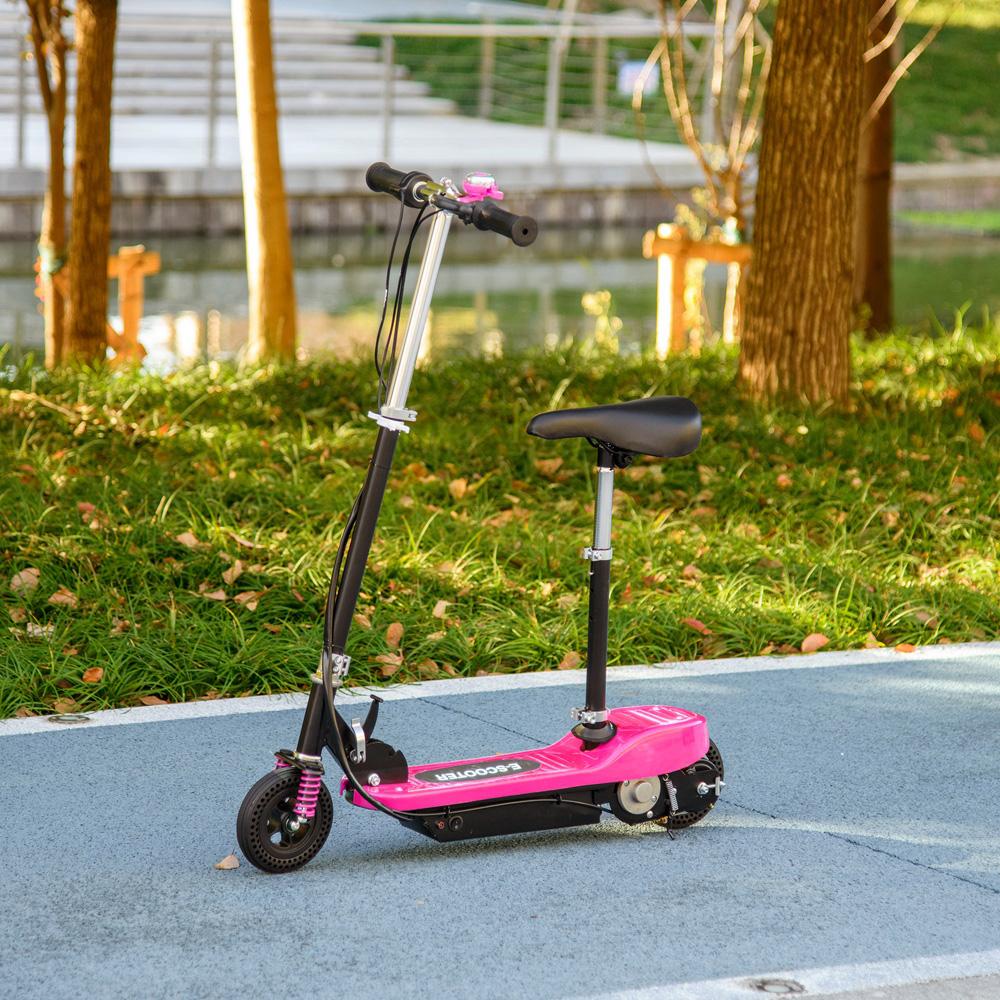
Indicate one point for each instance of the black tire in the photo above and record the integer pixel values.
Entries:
(711, 760)
(261, 826)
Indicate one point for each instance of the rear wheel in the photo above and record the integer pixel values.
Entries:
(710, 763)
(270, 834)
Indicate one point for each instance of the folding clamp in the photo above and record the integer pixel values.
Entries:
(588, 716)
(597, 555)
(340, 663)
(359, 752)
(388, 423)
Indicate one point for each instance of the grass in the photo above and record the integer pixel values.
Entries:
(133, 496)
(978, 221)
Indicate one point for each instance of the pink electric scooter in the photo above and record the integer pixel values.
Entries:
(641, 764)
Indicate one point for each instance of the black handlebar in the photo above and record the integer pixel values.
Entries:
(400, 184)
(521, 230)
(486, 215)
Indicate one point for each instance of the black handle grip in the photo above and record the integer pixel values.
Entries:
(399, 183)
(521, 230)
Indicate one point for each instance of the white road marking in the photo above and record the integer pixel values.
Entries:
(831, 979)
(506, 682)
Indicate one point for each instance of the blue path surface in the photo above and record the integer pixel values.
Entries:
(860, 824)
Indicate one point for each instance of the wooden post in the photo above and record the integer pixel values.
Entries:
(673, 248)
(130, 267)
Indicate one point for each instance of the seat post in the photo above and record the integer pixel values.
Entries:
(594, 726)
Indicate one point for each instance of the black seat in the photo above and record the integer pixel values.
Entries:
(665, 426)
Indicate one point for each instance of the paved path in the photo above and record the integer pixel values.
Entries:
(857, 847)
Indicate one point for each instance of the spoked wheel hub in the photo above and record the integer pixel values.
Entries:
(270, 833)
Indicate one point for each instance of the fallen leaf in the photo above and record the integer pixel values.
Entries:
(458, 488)
(427, 669)
(215, 595)
(570, 661)
(240, 540)
(18, 615)
(151, 700)
(567, 601)
(26, 581)
(691, 572)
(36, 631)
(23, 713)
(440, 609)
(85, 509)
(273, 629)
(814, 641)
(697, 625)
(625, 596)
(362, 620)
(548, 467)
(64, 705)
(906, 647)
(767, 650)
(120, 625)
(64, 597)
(976, 432)
(927, 619)
(248, 598)
(93, 675)
(70, 651)
(188, 540)
(871, 642)
(391, 662)
(228, 863)
(231, 575)
(783, 481)
(394, 635)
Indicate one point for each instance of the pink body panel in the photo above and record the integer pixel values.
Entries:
(652, 739)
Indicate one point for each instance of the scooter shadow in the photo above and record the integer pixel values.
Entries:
(548, 841)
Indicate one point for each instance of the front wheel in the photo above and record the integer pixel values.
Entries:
(268, 831)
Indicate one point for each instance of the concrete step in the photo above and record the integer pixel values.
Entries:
(290, 106)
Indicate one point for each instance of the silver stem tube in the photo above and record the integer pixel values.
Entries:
(602, 508)
(419, 308)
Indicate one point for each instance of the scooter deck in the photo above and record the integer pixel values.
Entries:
(650, 740)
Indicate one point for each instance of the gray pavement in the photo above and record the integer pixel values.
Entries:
(856, 848)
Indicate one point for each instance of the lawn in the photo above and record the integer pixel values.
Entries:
(170, 539)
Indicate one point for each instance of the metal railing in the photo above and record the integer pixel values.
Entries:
(556, 76)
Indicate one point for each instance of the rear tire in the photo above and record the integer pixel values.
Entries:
(265, 825)
(711, 761)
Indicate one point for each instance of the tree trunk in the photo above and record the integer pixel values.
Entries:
(873, 260)
(269, 247)
(52, 237)
(798, 304)
(90, 233)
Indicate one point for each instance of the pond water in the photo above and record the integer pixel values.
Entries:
(491, 296)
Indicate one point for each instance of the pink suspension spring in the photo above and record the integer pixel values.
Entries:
(279, 764)
(309, 785)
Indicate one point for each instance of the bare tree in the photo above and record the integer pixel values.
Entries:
(90, 232)
(733, 71)
(49, 46)
(269, 249)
